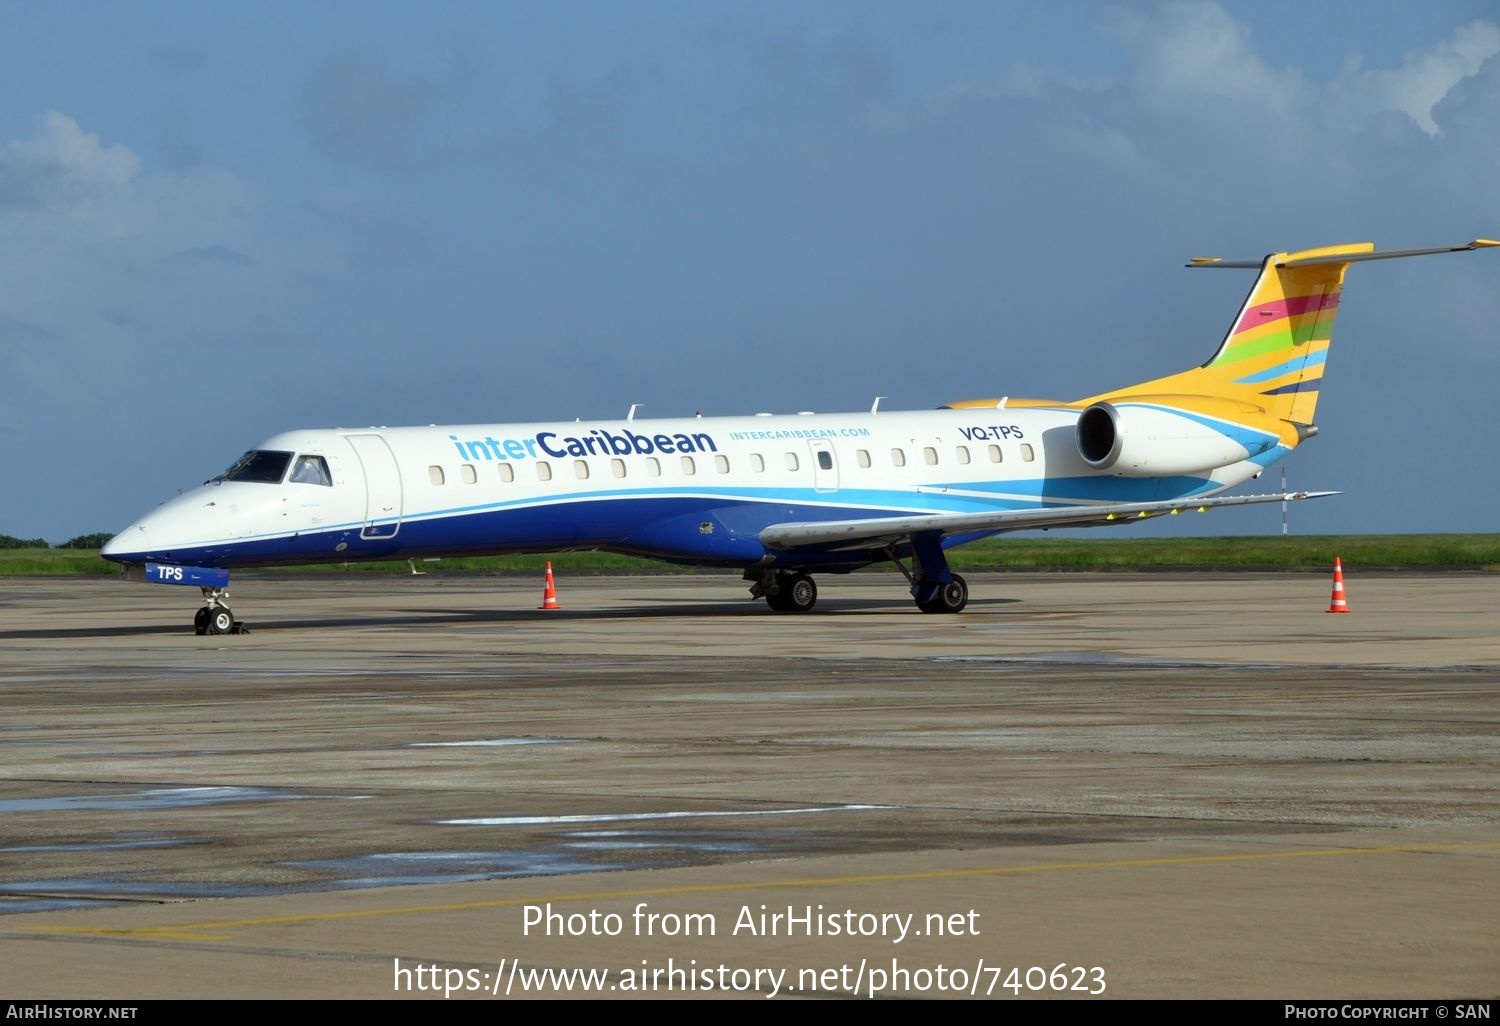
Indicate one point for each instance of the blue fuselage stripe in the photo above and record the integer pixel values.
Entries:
(680, 525)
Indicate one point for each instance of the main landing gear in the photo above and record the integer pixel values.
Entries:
(949, 597)
(215, 617)
(784, 591)
(934, 587)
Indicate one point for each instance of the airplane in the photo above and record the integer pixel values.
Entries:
(780, 497)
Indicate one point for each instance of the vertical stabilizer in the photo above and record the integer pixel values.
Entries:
(1275, 352)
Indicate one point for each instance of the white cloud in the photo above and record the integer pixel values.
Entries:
(1199, 112)
(1195, 57)
(79, 219)
(1424, 78)
(86, 237)
(68, 177)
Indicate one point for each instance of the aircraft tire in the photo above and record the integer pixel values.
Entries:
(954, 595)
(200, 621)
(947, 598)
(220, 620)
(801, 593)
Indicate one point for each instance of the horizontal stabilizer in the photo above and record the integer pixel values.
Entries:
(1349, 254)
(840, 535)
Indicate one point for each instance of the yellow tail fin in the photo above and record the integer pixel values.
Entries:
(1275, 352)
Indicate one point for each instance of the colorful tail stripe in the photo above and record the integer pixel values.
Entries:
(1278, 347)
(1281, 325)
(1298, 363)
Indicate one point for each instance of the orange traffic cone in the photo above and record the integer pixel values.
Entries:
(549, 595)
(1339, 605)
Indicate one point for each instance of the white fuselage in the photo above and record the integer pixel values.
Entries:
(695, 490)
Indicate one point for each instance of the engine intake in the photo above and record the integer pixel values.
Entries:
(1148, 441)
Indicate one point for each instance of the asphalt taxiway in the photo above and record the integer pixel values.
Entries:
(1149, 786)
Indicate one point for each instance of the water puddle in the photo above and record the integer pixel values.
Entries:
(392, 869)
(161, 798)
(498, 742)
(627, 817)
(106, 887)
(115, 845)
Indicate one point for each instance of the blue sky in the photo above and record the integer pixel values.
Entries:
(223, 220)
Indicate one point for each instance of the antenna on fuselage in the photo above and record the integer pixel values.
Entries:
(875, 406)
(633, 407)
(1001, 404)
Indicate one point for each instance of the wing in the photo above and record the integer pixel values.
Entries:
(879, 532)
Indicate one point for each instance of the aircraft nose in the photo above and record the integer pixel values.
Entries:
(132, 539)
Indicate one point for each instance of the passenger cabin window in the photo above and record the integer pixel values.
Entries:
(617, 467)
(825, 460)
(862, 457)
(962, 452)
(581, 469)
(791, 461)
(469, 474)
(721, 464)
(263, 466)
(311, 470)
(995, 454)
(688, 466)
(898, 457)
(929, 456)
(757, 462)
(507, 472)
(653, 467)
(435, 474)
(1027, 453)
(543, 471)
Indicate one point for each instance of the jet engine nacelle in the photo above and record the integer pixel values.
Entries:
(1133, 440)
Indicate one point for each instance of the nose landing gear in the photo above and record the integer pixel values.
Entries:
(215, 617)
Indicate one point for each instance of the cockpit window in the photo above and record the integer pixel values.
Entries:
(265, 466)
(311, 470)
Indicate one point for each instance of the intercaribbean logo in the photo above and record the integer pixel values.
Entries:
(598, 442)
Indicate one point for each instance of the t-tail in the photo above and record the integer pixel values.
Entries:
(1257, 395)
